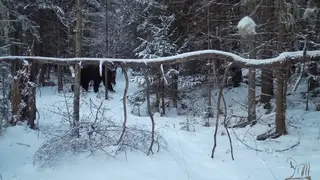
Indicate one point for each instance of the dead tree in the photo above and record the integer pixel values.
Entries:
(23, 99)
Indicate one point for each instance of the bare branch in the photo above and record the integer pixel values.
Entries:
(124, 100)
(218, 109)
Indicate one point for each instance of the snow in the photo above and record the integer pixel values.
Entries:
(310, 13)
(194, 55)
(72, 71)
(247, 27)
(188, 154)
(163, 74)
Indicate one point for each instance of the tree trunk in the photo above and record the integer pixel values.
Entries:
(15, 101)
(280, 104)
(267, 85)
(104, 6)
(42, 77)
(32, 106)
(267, 17)
(280, 95)
(31, 88)
(106, 95)
(252, 85)
(76, 100)
(124, 100)
(5, 25)
(60, 81)
(146, 76)
(163, 103)
(158, 88)
(174, 88)
(59, 67)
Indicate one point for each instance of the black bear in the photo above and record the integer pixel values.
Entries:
(236, 76)
(91, 73)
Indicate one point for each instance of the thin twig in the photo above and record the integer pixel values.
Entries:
(218, 109)
(225, 126)
(149, 112)
(124, 100)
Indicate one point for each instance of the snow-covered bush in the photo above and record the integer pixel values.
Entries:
(136, 100)
(189, 124)
(96, 133)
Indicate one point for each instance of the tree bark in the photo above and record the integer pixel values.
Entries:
(281, 128)
(174, 88)
(76, 100)
(15, 100)
(31, 104)
(267, 17)
(60, 81)
(252, 84)
(106, 95)
(42, 77)
(104, 6)
(59, 68)
(5, 25)
(150, 112)
(163, 103)
(124, 100)
(280, 104)
(266, 86)
(158, 88)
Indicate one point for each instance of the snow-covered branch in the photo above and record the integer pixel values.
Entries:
(296, 56)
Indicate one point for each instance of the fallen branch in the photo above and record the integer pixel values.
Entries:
(286, 149)
(296, 56)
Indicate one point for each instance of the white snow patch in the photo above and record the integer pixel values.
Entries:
(247, 27)
(100, 68)
(310, 13)
(72, 71)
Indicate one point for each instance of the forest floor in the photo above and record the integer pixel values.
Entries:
(188, 152)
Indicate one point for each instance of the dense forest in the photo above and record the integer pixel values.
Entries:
(148, 29)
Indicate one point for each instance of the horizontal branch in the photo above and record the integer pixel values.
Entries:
(284, 57)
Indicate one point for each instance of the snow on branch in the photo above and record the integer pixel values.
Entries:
(247, 27)
(296, 56)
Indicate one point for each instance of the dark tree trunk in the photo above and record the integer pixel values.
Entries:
(266, 86)
(267, 17)
(280, 104)
(281, 128)
(60, 81)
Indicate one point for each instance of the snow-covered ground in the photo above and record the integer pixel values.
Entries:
(188, 153)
